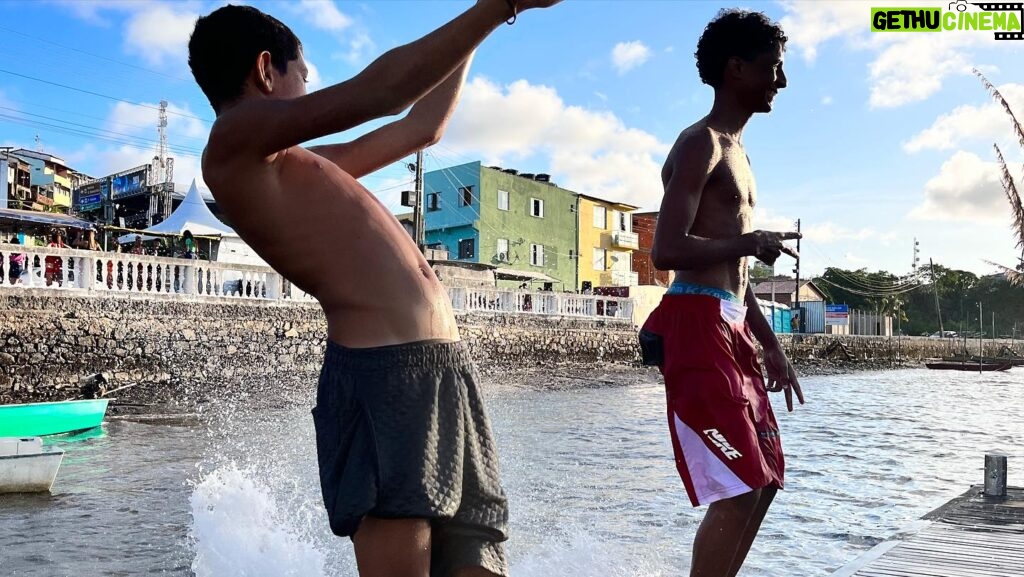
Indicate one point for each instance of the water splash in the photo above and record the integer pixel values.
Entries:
(583, 555)
(238, 529)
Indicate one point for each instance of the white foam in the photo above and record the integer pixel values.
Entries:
(238, 530)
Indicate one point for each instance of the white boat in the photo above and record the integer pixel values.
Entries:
(26, 466)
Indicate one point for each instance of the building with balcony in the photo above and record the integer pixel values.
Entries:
(15, 183)
(50, 180)
(606, 243)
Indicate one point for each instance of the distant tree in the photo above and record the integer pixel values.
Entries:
(1016, 274)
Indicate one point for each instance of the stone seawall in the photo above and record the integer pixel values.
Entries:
(50, 341)
(187, 350)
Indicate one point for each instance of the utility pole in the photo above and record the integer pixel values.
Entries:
(417, 219)
(935, 285)
(917, 259)
(981, 336)
(796, 270)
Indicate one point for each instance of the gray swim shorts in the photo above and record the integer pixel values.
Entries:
(401, 432)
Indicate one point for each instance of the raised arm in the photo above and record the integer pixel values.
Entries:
(422, 127)
(390, 84)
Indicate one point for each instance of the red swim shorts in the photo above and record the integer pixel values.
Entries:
(724, 434)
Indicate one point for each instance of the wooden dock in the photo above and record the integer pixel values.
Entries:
(971, 536)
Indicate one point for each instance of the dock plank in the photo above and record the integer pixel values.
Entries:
(971, 536)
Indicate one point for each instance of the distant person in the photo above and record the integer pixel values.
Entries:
(408, 466)
(190, 245)
(724, 434)
(15, 264)
(137, 247)
(54, 269)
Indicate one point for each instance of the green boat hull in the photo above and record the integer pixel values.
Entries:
(39, 419)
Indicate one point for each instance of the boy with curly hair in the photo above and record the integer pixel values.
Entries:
(724, 434)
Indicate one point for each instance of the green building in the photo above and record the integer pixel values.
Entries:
(521, 223)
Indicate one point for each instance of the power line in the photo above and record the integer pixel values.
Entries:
(98, 131)
(83, 133)
(80, 51)
(90, 117)
(107, 96)
(868, 293)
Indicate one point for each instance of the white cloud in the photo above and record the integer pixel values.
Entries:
(810, 23)
(765, 219)
(142, 119)
(966, 188)
(628, 55)
(826, 100)
(313, 80)
(323, 14)
(913, 69)
(829, 232)
(988, 123)
(158, 32)
(906, 68)
(360, 46)
(826, 232)
(854, 259)
(587, 151)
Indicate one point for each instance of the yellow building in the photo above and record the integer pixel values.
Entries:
(606, 243)
(51, 180)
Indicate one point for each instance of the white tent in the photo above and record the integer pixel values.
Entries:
(192, 215)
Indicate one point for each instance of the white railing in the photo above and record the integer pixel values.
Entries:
(469, 299)
(65, 269)
(62, 269)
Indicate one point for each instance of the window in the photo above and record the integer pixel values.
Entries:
(503, 249)
(434, 201)
(466, 196)
(537, 254)
(599, 259)
(502, 200)
(623, 222)
(466, 248)
(537, 207)
(600, 216)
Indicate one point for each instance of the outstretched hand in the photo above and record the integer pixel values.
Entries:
(768, 246)
(781, 375)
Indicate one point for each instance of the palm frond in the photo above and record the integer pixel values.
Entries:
(1016, 278)
(1017, 128)
(1013, 195)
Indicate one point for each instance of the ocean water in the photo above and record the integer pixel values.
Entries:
(589, 474)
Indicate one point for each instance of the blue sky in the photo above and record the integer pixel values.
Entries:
(879, 138)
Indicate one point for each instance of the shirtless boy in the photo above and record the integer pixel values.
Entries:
(724, 434)
(408, 467)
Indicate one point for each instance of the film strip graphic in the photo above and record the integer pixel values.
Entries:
(1004, 7)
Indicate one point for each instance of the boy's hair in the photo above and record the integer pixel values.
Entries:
(224, 46)
(739, 33)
